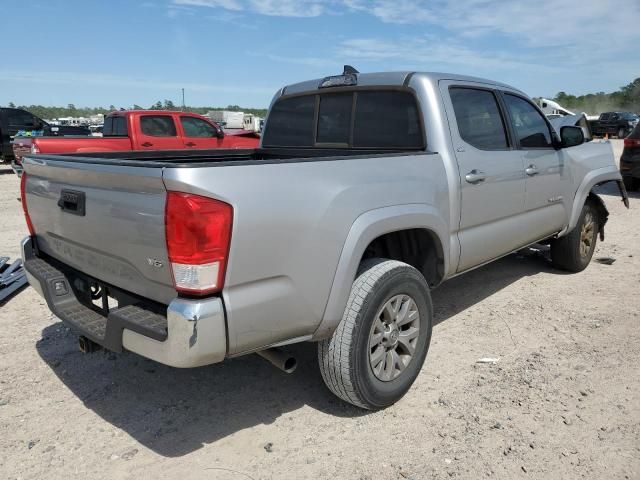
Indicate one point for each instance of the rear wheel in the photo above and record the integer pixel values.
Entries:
(573, 252)
(379, 347)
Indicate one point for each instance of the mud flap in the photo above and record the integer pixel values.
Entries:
(623, 193)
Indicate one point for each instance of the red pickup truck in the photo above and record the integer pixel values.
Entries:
(141, 130)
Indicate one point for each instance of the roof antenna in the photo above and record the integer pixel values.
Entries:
(349, 70)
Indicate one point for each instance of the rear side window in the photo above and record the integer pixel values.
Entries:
(480, 123)
(387, 120)
(291, 122)
(20, 118)
(382, 119)
(158, 126)
(529, 124)
(115, 127)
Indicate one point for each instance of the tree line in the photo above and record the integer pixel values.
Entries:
(72, 111)
(625, 99)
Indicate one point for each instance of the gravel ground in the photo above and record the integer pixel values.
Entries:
(562, 401)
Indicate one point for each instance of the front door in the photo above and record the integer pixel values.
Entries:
(491, 174)
(158, 132)
(547, 179)
(199, 134)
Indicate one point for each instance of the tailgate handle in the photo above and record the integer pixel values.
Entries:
(72, 201)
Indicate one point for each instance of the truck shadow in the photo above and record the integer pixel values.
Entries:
(459, 293)
(174, 412)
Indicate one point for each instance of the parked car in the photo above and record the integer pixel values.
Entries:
(630, 160)
(16, 122)
(143, 130)
(614, 123)
(368, 191)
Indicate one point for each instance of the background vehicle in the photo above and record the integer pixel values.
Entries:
(630, 160)
(549, 107)
(142, 130)
(18, 122)
(579, 120)
(367, 191)
(614, 123)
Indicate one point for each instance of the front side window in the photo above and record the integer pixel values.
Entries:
(196, 127)
(158, 126)
(530, 127)
(480, 123)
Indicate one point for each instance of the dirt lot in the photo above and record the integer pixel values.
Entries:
(563, 401)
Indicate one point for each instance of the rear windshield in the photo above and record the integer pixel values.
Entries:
(115, 126)
(354, 119)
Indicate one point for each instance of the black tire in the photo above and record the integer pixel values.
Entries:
(571, 252)
(631, 184)
(622, 132)
(344, 358)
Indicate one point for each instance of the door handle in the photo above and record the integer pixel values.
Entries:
(474, 176)
(531, 170)
(147, 144)
(190, 144)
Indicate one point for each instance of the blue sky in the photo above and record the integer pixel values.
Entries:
(121, 52)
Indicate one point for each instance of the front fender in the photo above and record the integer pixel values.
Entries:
(592, 179)
(364, 230)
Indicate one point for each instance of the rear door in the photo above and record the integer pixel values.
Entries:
(491, 174)
(547, 175)
(158, 132)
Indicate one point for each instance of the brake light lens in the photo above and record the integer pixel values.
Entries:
(632, 142)
(23, 200)
(198, 232)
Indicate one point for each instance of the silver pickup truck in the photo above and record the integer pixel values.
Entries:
(368, 191)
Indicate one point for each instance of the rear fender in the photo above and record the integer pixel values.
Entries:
(364, 230)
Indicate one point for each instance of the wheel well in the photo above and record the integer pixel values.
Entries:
(601, 209)
(417, 247)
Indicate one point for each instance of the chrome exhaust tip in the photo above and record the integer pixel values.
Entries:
(279, 359)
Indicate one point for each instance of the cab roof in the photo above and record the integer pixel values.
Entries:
(391, 79)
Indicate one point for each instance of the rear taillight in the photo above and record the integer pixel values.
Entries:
(198, 231)
(23, 199)
(632, 142)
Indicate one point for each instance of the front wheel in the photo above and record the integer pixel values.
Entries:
(378, 349)
(573, 252)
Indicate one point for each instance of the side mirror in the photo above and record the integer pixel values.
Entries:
(571, 136)
(219, 132)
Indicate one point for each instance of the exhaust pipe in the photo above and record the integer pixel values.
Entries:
(87, 346)
(279, 359)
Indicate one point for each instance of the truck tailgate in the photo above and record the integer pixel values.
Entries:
(106, 221)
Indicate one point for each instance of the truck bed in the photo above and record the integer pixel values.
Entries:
(219, 157)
